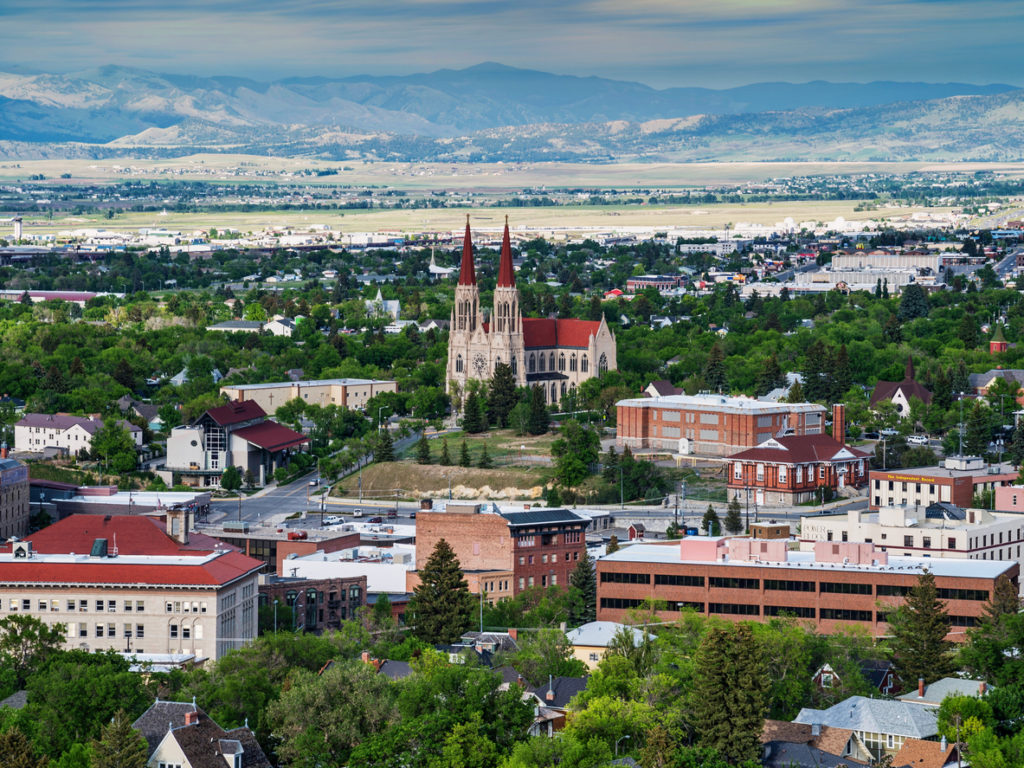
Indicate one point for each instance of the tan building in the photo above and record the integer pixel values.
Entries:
(49, 432)
(132, 583)
(590, 641)
(347, 393)
(14, 498)
(711, 425)
(554, 354)
(956, 480)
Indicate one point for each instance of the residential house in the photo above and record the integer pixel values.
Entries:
(181, 734)
(880, 674)
(60, 433)
(792, 745)
(280, 325)
(181, 377)
(590, 641)
(899, 393)
(381, 307)
(931, 695)
(237, 326)
(883, 726)
(919, 753)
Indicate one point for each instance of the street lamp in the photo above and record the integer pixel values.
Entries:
(383, 407)
(275, 615)
(617, 741)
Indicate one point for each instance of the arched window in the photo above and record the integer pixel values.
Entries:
(515, 365)
(291, 597)
(584, 364)
(602, 364)
(554, 393)
(543, 362)
(310, 597)
(533, 363)
(563, 389)
(572, 363)
(459, 364)
(561, 361)
(552, 361)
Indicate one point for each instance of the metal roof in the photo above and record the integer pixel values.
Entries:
(859, 713)
(541, 516)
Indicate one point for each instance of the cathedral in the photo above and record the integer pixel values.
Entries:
(554, 354)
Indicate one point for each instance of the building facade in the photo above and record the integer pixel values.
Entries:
(133, 584)
(14, 499)
(317, 604)
(833, 586)
(711, 425)
(554, 354)
(276, 548)
(956, 481)
(47, 432)
(346, 393)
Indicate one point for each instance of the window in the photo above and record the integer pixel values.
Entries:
(71, 606)
(979, 595)
(111, 630)
(127, 606)
(846, 588)
(584, 364)
(789, 586)
(561, 361)
(459, 364)
(760, 473)
(892, 590)
(951, 543)
(844, 614)
(83, 606)
(99, 630)
(174, 631)
(186, 632)
(737, 471)
(826, 679)
(731, 582)
(926, 542)
(625, 578)
(675, 580)
(736, 609)
(99, 606)
(42, 605)
(620, 603)
(889, 742)
(908, 541)
(801, 612)
(111, 606)
(594, 657)
(782, 473)
(140, 631)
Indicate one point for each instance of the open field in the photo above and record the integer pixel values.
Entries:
(459, 176)
(503, 446)
(417, 481)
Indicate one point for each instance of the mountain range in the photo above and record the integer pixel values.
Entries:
(494, 112)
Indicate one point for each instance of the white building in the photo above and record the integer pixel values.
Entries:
(43, 432)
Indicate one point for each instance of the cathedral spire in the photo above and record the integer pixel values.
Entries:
(908, 373)
(506, 275)
(467, 272)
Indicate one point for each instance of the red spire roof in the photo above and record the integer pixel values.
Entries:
(467, 272)
(506, 276)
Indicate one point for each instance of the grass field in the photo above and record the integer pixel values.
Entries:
(419, 481)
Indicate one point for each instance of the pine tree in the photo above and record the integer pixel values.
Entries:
(841, 378)
(733, 518)
(815, 370)
(423, 450)
(892, 333)
(770, 376)
(730, 693)
(484, 462)
(471, 421)
(385, 447)
(613, 545)
(969, 333)
(878, 288)
(885, 288)
(446, 457)
(502, 397)
(464, 456)
(539, 418)
(16, 751)
(583, 586)
(441, 607)
(796, 393)
(711, 523)
(942, 390)
(913, 303)
(961, 378)
(919, 628)
(714, 374)
(119, 745)
(1005, 601)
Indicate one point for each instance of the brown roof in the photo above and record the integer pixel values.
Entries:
(884, 390)
(829, 739)
(798, 449)
(919, 753)
(205, 742)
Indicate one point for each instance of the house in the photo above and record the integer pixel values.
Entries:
(931, 695)
(181, 377)
(662, 388)
(788, 745)
(981, 382)
(345, 393)
(636, 531)
(998, 342)
(281, 326)
(181, 734)
(146, 411)
(900, 392)
(381, 307)
(238, 326)
(591, 640)
(918, 753)
(880, 674)
(60, 433)
(883, 726)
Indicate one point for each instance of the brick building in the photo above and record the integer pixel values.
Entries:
(275, 546)
(957, 480)
(318, 604)
(791, 470)
(14, 498)
(835, 585)
(504, 553)
(711, 425)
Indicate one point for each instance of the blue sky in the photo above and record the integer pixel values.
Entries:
(712, 43)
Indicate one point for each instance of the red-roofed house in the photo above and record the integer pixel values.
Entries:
(132, 583)
(237, 434)
(900, 392)
(555, 354)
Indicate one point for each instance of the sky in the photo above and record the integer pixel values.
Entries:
(663, 43)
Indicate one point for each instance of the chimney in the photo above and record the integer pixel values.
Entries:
(365, 656)
(513, 633)
(191, 718)
(3, 450)
(920, 687)
(982, 687)
(943, 744)
(816, 730)
(177, 525)
(839, 422)
(550, 695)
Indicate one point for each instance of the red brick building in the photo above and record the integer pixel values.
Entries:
(833, 586)
(504, 553)
(957, 481)
(317, 604)
(711, 425)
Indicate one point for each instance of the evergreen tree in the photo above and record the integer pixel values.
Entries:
(796, 393)
(969, 332)
(714, 370)
(16, 751)
(841, 378)
(484, 462)
(770, 376)
(231, 480)
(119, 745)
(885, 288)
(385, 450)
(878, 288)
(919, 628)
(730, 693)
(815, 371)
(711, 523)
(1017, 446)
(464, 460)
(552, 497)
(441, 608)
(733, 518)
(502, 397)
(913, 303)
(471, 421)
(961, 379)
(423, 450)
(942, 390)
(892, 333)
(979, 430)
(583, 591)
(539, 418)
(613, 545)
(446, 457)
(1005, 601)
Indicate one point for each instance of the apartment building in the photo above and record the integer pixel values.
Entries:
(711, 425)
(834, 585)
(14, 498)
(316, 604)
(132, 583)
(346, 393)
(938, 530)
(61, 433)
(956, 480)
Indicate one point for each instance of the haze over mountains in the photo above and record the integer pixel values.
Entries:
(494, 112)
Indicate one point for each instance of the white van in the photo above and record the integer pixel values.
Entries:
(357, 513)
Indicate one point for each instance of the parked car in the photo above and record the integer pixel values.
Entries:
(918, 439)
(888, 432)
(412, 515)
(871, 436)
(315, 481)
(376, 519)
(333, 520)
(357, 513)
(392, 513)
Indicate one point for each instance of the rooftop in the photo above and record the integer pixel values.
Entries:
(721, 403)
(875, 716)
(931, 473)
(309, 383)
(599, 634)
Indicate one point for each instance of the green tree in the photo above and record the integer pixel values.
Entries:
(733, 517)
(613, 545)
(119, 745)
(919, 628)
(441, 607)
(446, 457)
(423, 450)
(770, 376)
(545, 652)
(729, 697)
(26, 643)
(539, 419)
(385, 448)
(255, 311)
(502, 397)
(484, 462)
(16, 751)
(464, 460)
(583, 591)
(472, 421)
(231, 480)
(576, 450)
(114, 444)
(964, 708)
(714, 374)
(711, 523)
(969, 332)
(639, 652)
(913, 303)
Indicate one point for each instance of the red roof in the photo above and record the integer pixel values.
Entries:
(799, 449)
(467, 272)
(545, 332)
(237, 412)
(506, 275)
(271, 436)
(136, 535)
(220, 570)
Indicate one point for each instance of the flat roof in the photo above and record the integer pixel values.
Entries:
(911, 566)
(721, 403)
(308, 383)
(313, 533)
(993, 470)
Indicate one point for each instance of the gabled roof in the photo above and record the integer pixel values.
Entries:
(875, 670)
(662, 388)
(549, 332)
(875, 716)
(564, 689)
(917, 753)
(202, 742)
(63, 421)
(271, 436)
(799, 449)
(787, 754)
(834, 741)
(885, 390)
(935, 692)
(236, 413)
(154, 723)
(599, 634)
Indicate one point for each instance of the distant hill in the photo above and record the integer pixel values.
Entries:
(495, 112)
